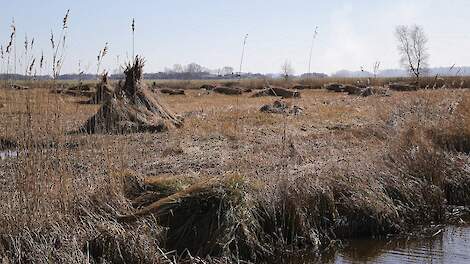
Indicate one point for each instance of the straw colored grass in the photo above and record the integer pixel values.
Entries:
(256, 186)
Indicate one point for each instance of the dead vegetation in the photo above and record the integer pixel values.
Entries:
(171, 91)
(133, 108)
(233, 184)
(277, 91)
(228, 90)
(104, 91)
(82, 89)
(281, 107)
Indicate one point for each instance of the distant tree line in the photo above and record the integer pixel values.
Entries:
(191, 71)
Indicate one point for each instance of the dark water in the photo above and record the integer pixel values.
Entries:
(452, 245)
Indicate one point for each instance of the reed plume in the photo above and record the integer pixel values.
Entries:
(59, 53)
(133, 37)
(100, 57)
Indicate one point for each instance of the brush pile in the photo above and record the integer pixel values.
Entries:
(133, 108)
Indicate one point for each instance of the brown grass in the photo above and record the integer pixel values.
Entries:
(348, 167)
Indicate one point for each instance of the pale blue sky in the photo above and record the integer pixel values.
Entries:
(351, 33)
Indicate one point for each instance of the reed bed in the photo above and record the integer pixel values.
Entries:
(232, 184)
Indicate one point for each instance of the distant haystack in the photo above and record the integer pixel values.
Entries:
(133, 108)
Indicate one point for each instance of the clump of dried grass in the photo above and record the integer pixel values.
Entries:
(133, 108)
(207, 218)
(425, 155)
(104, 91)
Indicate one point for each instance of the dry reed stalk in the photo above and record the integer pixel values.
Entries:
(100, 57)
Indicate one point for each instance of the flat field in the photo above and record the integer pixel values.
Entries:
(231, 183)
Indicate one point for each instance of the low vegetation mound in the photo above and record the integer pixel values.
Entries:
(171, 91)
(281, 107)
(335, 87)
(82, 89)
(208, 218)
(277, 91)
(228, 90)
(358, 90)
(402, 87)
(133, 108)
(208, 86)
(302, 87)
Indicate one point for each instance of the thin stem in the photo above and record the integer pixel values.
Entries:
(311, 50)
(133, 39)
(243, 55)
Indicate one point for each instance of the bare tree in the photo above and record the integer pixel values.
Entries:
(177, 68)
(376, 69)
(287, 70)
(412, 47)
(227, 70)
(194, 68)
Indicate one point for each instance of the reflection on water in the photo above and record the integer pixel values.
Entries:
(8, 154)
(450, 246)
